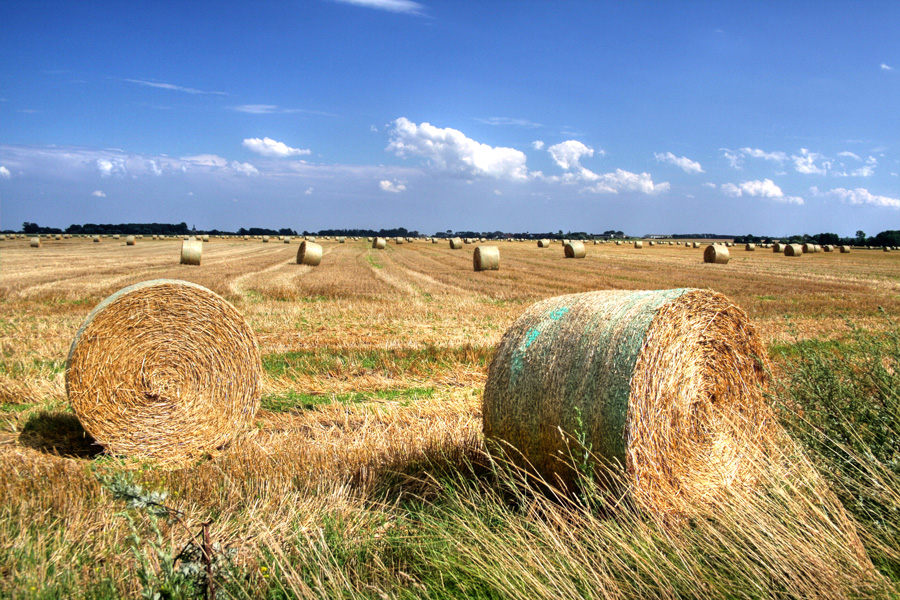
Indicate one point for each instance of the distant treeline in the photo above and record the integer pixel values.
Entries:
(885, 238)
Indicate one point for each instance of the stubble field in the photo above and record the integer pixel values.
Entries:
(373, 362)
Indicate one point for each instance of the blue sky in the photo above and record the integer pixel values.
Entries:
(647, 117)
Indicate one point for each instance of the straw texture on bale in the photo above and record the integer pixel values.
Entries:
(793, 250)
(379, 243)
(486, 258)
(716, 253)
(164, 370)
(456, 243)
(667, 385)
(543, 243)
(777, 248)
(309, 253)
(575, 249)
(191, 252)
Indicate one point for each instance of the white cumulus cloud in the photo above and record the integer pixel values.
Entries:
(765, 188)
(622, 181)
(682, 162)
(4, 173)
(805, 162)
(863, 196)
(269, 147)
(243, 168)
(110, 167)
(98, 194)
(450, 151)
(568, 154)
(391, 186)
(537, 144)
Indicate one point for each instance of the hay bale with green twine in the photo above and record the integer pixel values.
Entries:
(716, 254)
(486, 258)
(164, 370)
(666, 385)
(574, 249)
(191, 252)
(379, 243)
(309, 254)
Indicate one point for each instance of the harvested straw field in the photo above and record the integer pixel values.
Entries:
(365, 473)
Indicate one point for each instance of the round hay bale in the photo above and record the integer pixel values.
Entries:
(750, 247)
(575, 249)
(310, 253)
(808, 248)
(434, 240)
(777, 248)
(717, 254)
(543, 243)
(129, 241)
(887, 248)
(793, 250)
(164, 370)
(639, 244)
(456, 243)
(398, 241)
(265, 239)
(204, 238)
(96, 239)
(35, 242)
(191, 252)
(667, 385)
(845, 249)
(379, 243)
(486, 258)
(828, 248)
(286, 240)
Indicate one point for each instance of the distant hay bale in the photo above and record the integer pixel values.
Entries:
(574, 249)
(716, 254)
(543, 243)
(793, 250)
(166, 371)
(434, 240)
(286, 240)
(129, 241)
(379, 243)
(96, 239)
(651, 243)
(191, 252)
(35, 242)
(116, 236)
(342, 240)
(750, 247)
(808, 248)
(778, 248)
(845, 249)
(828, 248)
(398, 241)
(265, 239)
(667, 385)
(887, 248)
(695, 245)
(204, 238)
(486, 258)
(310, 253)
(618, 242)
(638, 244)
(456, 243)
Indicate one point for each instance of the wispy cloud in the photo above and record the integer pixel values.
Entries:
(269, 147)
(885, 67)
(509, 121)
(863, 196)
(397, 6)
(4, 173)
(683, 162)
(392, 186)
(274, 109)
(98, 194)
(173, 87)
(779, 157)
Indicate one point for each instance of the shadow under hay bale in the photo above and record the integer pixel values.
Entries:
(164, 370)
(58, 433)
(667, 384)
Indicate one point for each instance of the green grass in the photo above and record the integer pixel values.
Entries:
(428, 360)
(301, 401)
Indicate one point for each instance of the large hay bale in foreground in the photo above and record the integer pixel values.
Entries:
(456, 243)
(716, 253)
(667, 385)
(191, 252)
(164, 370)
(486, 258)
(793, 250)
(309, 253)
(574, 249)
(379, 243)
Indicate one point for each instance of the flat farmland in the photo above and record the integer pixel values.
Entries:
(373, 363)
